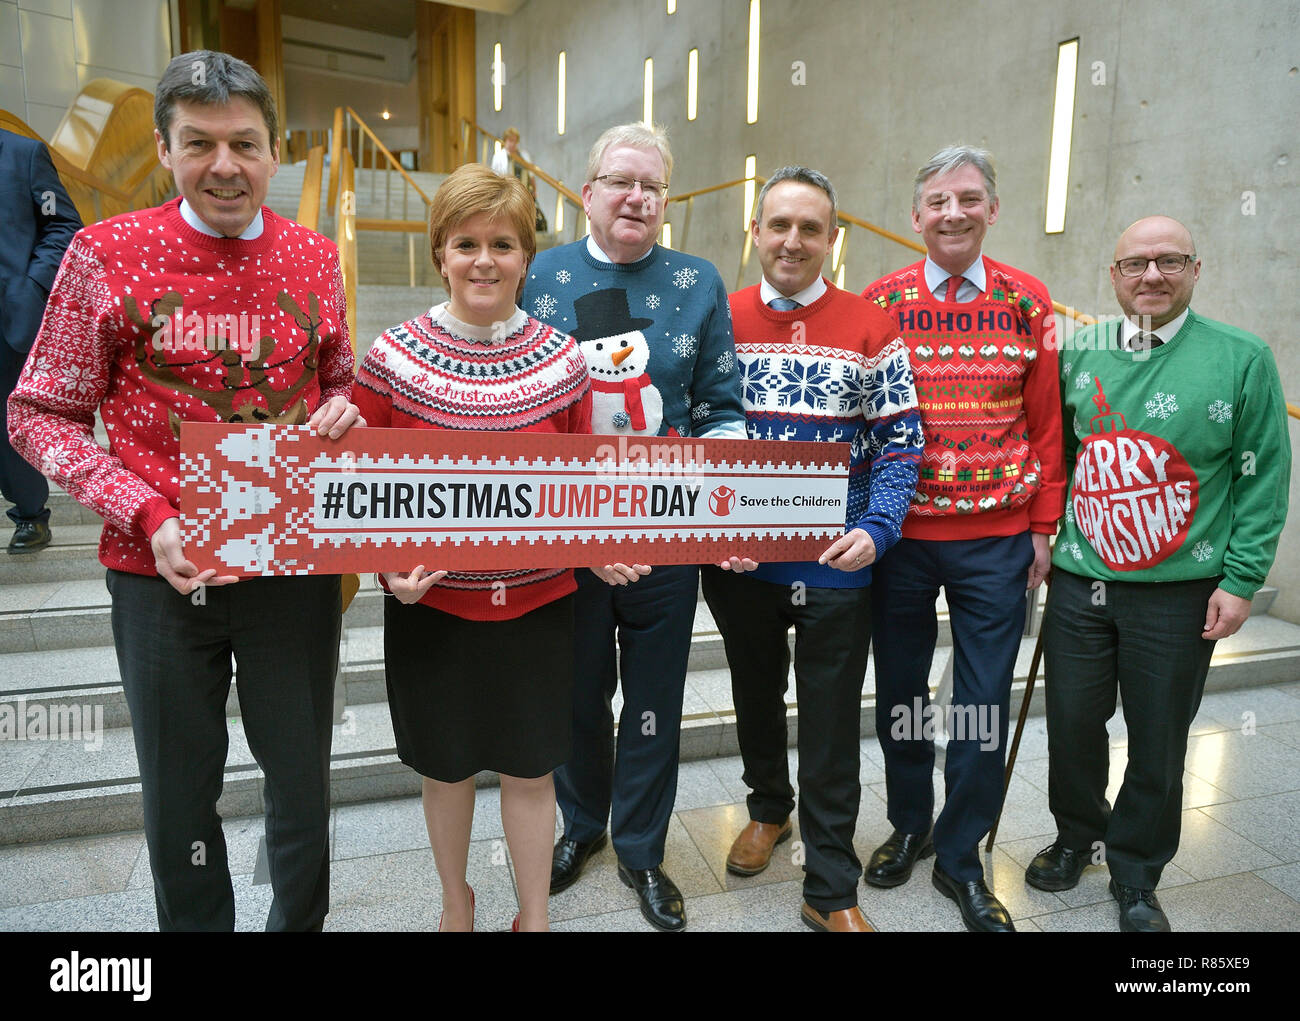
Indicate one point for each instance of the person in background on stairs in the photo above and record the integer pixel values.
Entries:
(981, 340)
(271, 345)
(479, 664)
(38, 220)
(503, 165)
(1177, 439)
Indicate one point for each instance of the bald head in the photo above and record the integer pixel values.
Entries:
(1152, 298)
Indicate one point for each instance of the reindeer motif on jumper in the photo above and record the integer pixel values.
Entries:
(246, 393)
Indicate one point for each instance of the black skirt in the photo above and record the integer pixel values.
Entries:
(470, 695)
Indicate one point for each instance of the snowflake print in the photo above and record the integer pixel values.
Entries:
(684, 345)
(1073, 549)
(1081, 381)
(726, 362)
(652, 301)
(803, 384)
(544, 306)
(1067, 368)
(1202, 551)
(1220, 411)
(687, 398)
(753, 373)
(1069, 512)
(701, 411)
(79, 378)
(562, 276)
(1161, 405)
(685, 277)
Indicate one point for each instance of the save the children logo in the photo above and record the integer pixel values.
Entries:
(1135, 495)
(721, 500)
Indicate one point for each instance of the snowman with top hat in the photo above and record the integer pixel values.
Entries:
(618, 354)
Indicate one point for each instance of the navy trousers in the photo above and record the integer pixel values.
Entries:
(20, 483)
(633, 786)
(1142, 640)
(175, 661)
(984, 581)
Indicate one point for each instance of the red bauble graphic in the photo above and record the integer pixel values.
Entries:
(721, 500)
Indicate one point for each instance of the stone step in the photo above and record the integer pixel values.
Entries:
(72, 554)
(88, 782)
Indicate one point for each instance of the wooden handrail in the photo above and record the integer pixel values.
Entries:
(346, 238)
(336, 156)
(389, 156)
(569, 194)
(309, 202)
(1292, 410)
(760, 181)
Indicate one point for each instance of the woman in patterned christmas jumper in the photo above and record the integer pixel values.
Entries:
(480, 664)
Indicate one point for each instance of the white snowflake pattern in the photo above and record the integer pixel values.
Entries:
(1073, 549)
(1161, 405)
(685, 277)
(1220, 411)
(79, 378)
(652, 301)
(684, 345)
(562, 276)
(726, 362)
(544, 306)
(1202, 551)
(1082, 380)
(1067, 368)
(686, 398)
(701, 411)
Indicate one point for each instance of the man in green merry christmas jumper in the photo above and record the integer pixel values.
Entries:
(655, 327)
(112, 341)
(1176, 434)
(981, 340)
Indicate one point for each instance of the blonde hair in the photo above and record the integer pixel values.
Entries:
(638, 135)
(509, 134)
(474, 189)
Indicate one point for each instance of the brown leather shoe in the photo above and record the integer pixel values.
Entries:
(847, 920)
(751, 852)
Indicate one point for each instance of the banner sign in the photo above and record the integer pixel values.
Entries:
(268, 500)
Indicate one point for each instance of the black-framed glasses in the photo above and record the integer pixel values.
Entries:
(1168, 265)
(621, 185)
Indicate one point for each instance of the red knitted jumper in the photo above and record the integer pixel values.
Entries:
(436, 372)
(155, 323)
(987, 383)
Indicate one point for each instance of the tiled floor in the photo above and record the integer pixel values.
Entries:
(1238, 867)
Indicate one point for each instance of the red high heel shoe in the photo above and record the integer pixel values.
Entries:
(514, 926)
(471, 910)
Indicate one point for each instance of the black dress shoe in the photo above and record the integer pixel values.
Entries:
(1056, 868)
(980, 910)
(1139, 911)
(661, 901)
(568, 859)
(29, 536)
(891, 863)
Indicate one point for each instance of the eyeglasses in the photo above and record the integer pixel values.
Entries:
(621, 185)
(1168, 265)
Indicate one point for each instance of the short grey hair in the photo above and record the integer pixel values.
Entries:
(801, 175)
(210, 78)
(946, 160)
(638, 135)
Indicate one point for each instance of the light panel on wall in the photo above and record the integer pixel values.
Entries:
(1058, 169)
(751, 106)
(838, 249)
(559, 214)
(648, 97)
(666, 236)
(498, 73)
(559, 97)
(692, 83)
(672, 6)
(751, 168)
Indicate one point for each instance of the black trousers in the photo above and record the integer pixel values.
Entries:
(832, 640)
(633, 786)
(175, 659)
(984, 581)
(1142, 640)
(20, 483)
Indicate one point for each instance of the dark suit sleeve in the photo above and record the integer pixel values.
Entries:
(56, 218)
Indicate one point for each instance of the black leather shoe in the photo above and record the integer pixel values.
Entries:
(980, 910)
(30, 536)
(1139, 911)
(568, 859)
(1056, 868)
(661, 901)
(891, 863)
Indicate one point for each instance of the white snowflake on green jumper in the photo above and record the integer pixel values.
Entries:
(1082, 380)
(1220, 411)
(684, 345)
(726, 362)
(562, 276)
(1202, 551)
(544, 306)
(1161, 405)
(686, 277)
(652, 301)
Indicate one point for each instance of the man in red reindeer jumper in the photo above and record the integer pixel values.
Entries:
(209, 308)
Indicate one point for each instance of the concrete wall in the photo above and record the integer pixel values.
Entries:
(49, 49)
(1180, 109)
